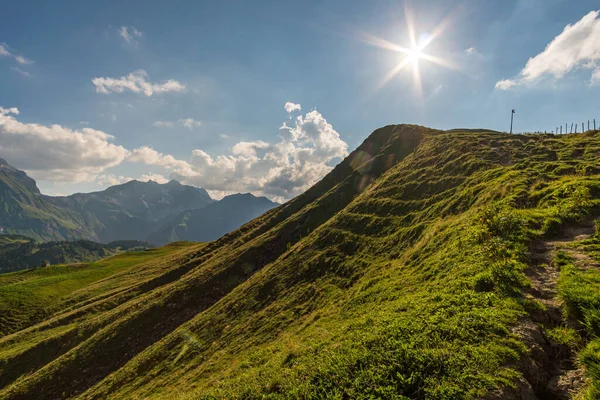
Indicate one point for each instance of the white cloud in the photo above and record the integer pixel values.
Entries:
(12, 110)
(505, 84)
(158, 178)
(224, 136)
(20, 71)
(280, 170)
(190, 123)
(291, 107)
(5, 52)
(136, 82)
(84, 122)
(112, 179)
(219, 194)
(57, 153)
(130, 35)
(596, 77)
(249, 149)
(163, 124)
(23, 60)
(471, 51)
(577, 47)
(149, 156)
(306, 150)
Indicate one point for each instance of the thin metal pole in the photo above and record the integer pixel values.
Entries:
(511, 119)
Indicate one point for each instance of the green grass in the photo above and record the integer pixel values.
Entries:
(31, 295)
(580, 290)
(399, 275)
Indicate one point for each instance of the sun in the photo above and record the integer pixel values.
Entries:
(411, 55)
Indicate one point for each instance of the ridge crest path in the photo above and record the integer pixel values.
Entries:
(551, 369)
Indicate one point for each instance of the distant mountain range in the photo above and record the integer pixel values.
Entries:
(131, 211)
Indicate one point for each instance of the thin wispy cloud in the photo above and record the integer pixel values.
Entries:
(163, 124)
(19, 58)
(20, 71)
(130, 35)
(189, 123)
(136, 82)
(576, 48)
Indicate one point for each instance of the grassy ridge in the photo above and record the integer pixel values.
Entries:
(399, 274)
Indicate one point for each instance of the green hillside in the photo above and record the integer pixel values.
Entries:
(20, 252)
(426, 265)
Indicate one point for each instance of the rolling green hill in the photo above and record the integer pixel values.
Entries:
(20, 252)
(426, 265)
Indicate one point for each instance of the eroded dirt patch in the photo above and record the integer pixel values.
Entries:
(550, 368)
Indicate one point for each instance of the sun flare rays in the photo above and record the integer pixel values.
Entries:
(414, 53)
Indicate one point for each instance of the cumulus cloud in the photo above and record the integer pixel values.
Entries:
(112, 180)
(130, 35)
(281, 170)
(305, 151)
(5, 52)
(57, 153)
(291, 107)
(149, 156)
(577, 47)
(224, 136)
(136, 82)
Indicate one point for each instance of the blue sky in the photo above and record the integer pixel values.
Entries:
(195, 90)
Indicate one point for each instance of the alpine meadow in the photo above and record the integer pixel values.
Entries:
(428, 264)
(283, 200)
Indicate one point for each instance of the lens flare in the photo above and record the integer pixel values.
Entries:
(415, 52)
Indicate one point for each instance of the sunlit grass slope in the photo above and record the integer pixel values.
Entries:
(399, 274)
